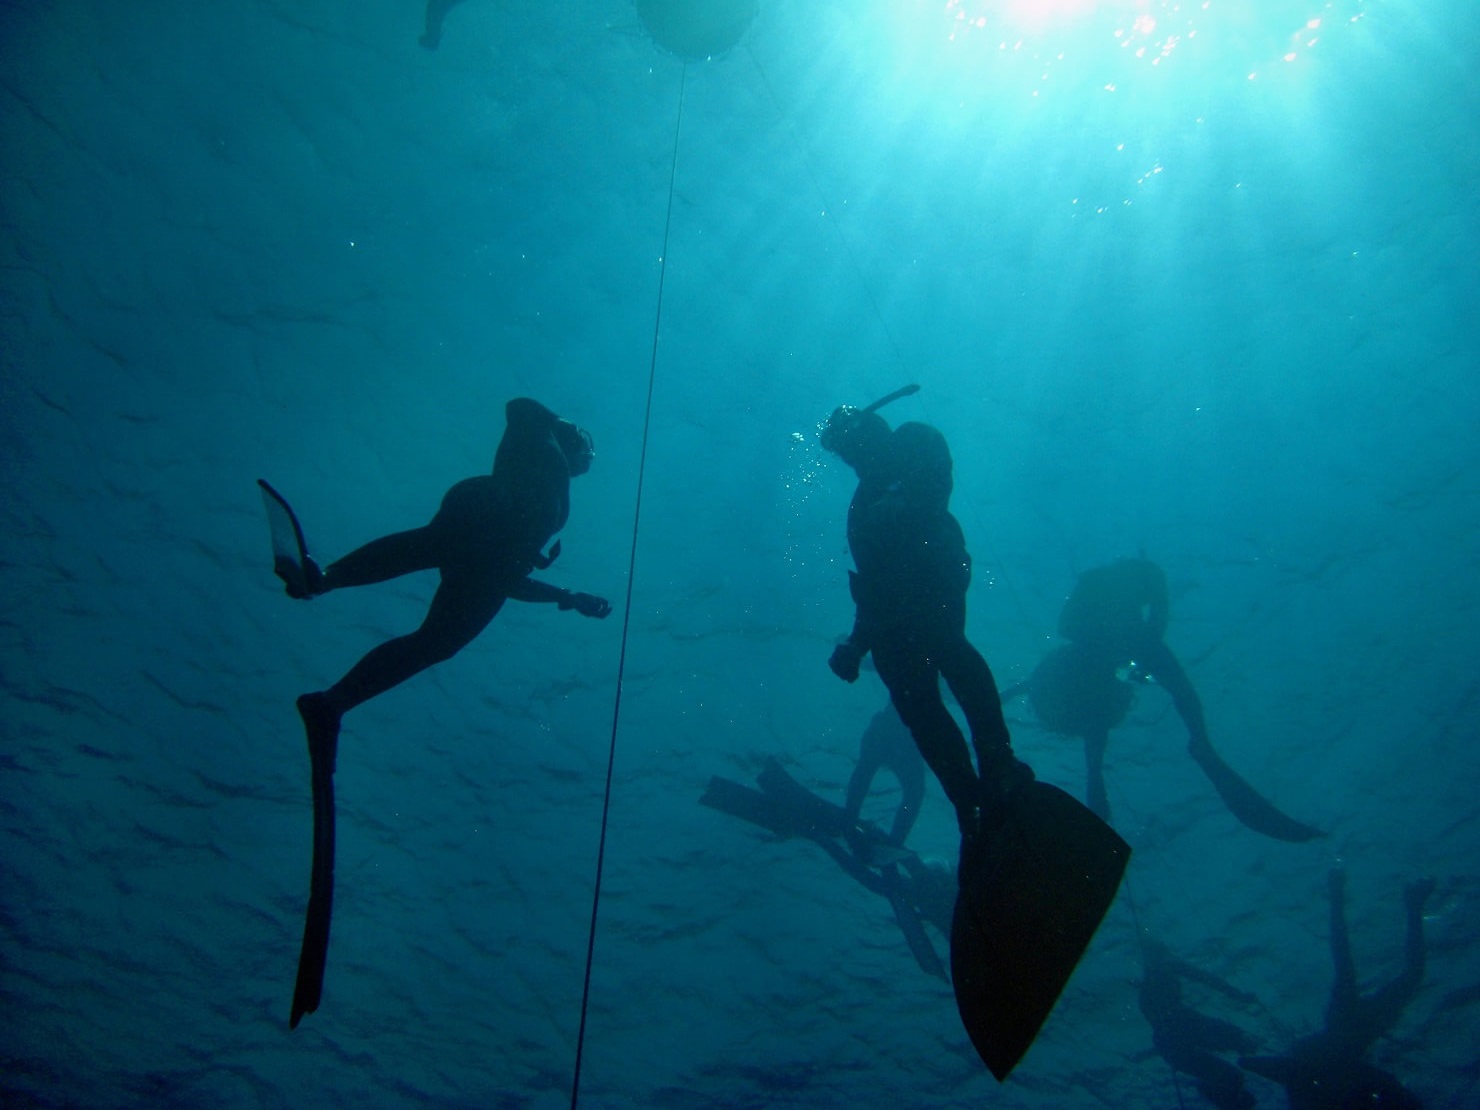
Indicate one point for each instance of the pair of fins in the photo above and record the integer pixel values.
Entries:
(1031, 894)
(290, 562)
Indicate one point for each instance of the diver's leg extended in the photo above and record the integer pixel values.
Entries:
(870, 759)
(1382, 1009)
(970, 679)
(858, 784)
(1339, 1008)
(1242, 800)
(460, 610)
(914, 686)
(1162, 665)
(380, 560)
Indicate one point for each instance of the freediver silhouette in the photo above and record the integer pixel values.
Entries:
(484, 540)
(1037, 869)
(1329, 1070)
(1115, 620)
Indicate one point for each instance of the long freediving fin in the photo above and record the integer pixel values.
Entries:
(1247, 804)
(816, 815)
(290, 559)
(1032, 894)
(751, 805)
(787, 808)
(313, 955)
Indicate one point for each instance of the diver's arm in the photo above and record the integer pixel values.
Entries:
(532, 589)
(847, 657)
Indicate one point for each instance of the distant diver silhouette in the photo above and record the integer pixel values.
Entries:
(485, 539)
(1328, 1070)
(1114, 621)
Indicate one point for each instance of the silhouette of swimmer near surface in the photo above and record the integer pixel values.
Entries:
(485, 539)
(1328, 1070)
(1189, 1040)
(1115, 620)
(1038, 870)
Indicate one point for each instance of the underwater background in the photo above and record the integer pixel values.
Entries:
(1196, 281)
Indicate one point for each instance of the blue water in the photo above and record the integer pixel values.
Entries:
(1201, 302)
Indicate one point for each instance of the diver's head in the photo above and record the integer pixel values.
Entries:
(575, 444)
(859, 437)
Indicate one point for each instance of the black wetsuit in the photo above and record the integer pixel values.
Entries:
(485, 539)
(910, 597)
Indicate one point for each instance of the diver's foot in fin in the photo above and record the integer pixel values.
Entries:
(321, 724)
(302, 578)
(1002, 775)
(305, 582)
(313, 581)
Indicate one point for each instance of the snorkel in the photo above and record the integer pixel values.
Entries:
(899, 394)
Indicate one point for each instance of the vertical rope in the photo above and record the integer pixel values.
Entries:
(611, 758)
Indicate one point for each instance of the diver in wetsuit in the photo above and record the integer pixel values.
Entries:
(1114, 620)
(1328, 1070)
(910, 596)
(1189, 1040)
(1037, 870)
(485, 539)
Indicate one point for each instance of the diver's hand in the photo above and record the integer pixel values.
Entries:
(845, 661)
(588, 605)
